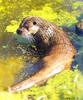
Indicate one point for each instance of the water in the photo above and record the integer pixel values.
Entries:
(77, 41)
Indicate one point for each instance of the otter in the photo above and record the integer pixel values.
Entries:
(55, 44)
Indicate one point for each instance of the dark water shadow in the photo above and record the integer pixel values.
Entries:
(28, 70)
(77, 41)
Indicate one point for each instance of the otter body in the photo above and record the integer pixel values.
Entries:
(54, 43)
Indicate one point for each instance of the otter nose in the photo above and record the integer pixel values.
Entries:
(19, 31)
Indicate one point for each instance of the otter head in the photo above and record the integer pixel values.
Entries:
(28, 27)
(40, 30)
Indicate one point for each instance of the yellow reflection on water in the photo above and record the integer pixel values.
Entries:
(8, 68)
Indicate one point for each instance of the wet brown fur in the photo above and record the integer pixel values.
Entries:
(59, 53)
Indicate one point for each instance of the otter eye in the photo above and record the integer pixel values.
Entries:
(34, 23)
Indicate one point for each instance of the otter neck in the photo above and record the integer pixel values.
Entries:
(60, 37)
(53, 35)
(46, 40)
